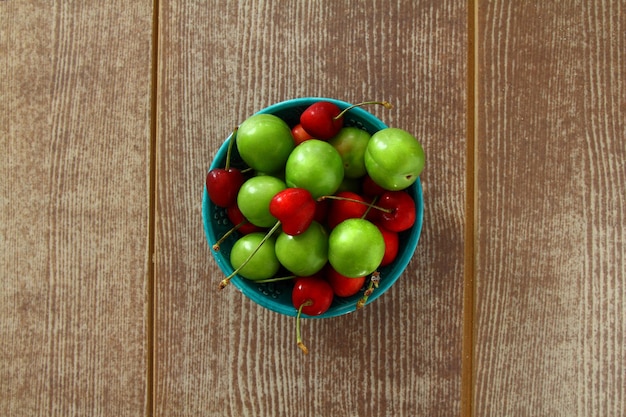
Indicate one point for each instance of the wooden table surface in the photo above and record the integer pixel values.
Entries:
(514, 303)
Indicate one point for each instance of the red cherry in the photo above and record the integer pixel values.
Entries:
(223, 185)
(343, 286)
(392, 243)
(320, 120)
(236, 217)
(314, 289)
(312, 296)
(324, 119)
(294, 208)
(341, 210)
(373, 215)
(347, 204)
(400, 214)
(299, 134)
(370, 188)
(321, 211)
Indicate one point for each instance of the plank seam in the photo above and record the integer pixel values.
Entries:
(151, 270)
(467, 367)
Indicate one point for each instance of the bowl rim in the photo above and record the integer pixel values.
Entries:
(396, 268)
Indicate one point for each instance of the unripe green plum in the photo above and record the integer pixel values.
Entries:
(306, 253)
(264, 142)
(351, 143)
(263, 264)
(254, 199)
(394, 158)
(316, 166)
(355, 247)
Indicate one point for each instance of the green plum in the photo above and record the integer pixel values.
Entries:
(316, 166)
(263, 264)
(351, 143)
(264, 142)
(355, 248)
(306, 253)
(394, 158)
(254, 199)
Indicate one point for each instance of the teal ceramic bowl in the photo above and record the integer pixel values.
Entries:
(277, 296)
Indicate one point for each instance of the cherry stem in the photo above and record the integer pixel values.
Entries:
(216, 246)
(298, 336)
(374, 280)
(277, 279)
(371, 206)
(354, 200)
(385, 103)
(230, 148)
(226, 280)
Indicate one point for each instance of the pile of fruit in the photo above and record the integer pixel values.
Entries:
(319, 203)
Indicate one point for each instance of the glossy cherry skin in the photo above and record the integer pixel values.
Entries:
(321, 211)
(402, 215)
(223, 185)
(294, 208)
(343, 286)
(341, 210)
(392, 244)
(236, 217)
(314, 290)
(370, 188)
(319, 120)
(299, 134)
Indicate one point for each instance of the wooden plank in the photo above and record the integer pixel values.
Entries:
(74, 198)
(220, 354)
(550, 293)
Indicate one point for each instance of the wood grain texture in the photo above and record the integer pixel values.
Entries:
(218, 354)
(551, 180)
(75, 137)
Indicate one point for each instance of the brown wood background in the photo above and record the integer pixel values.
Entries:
(550, 326)
(74, 207)
(513, 304)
